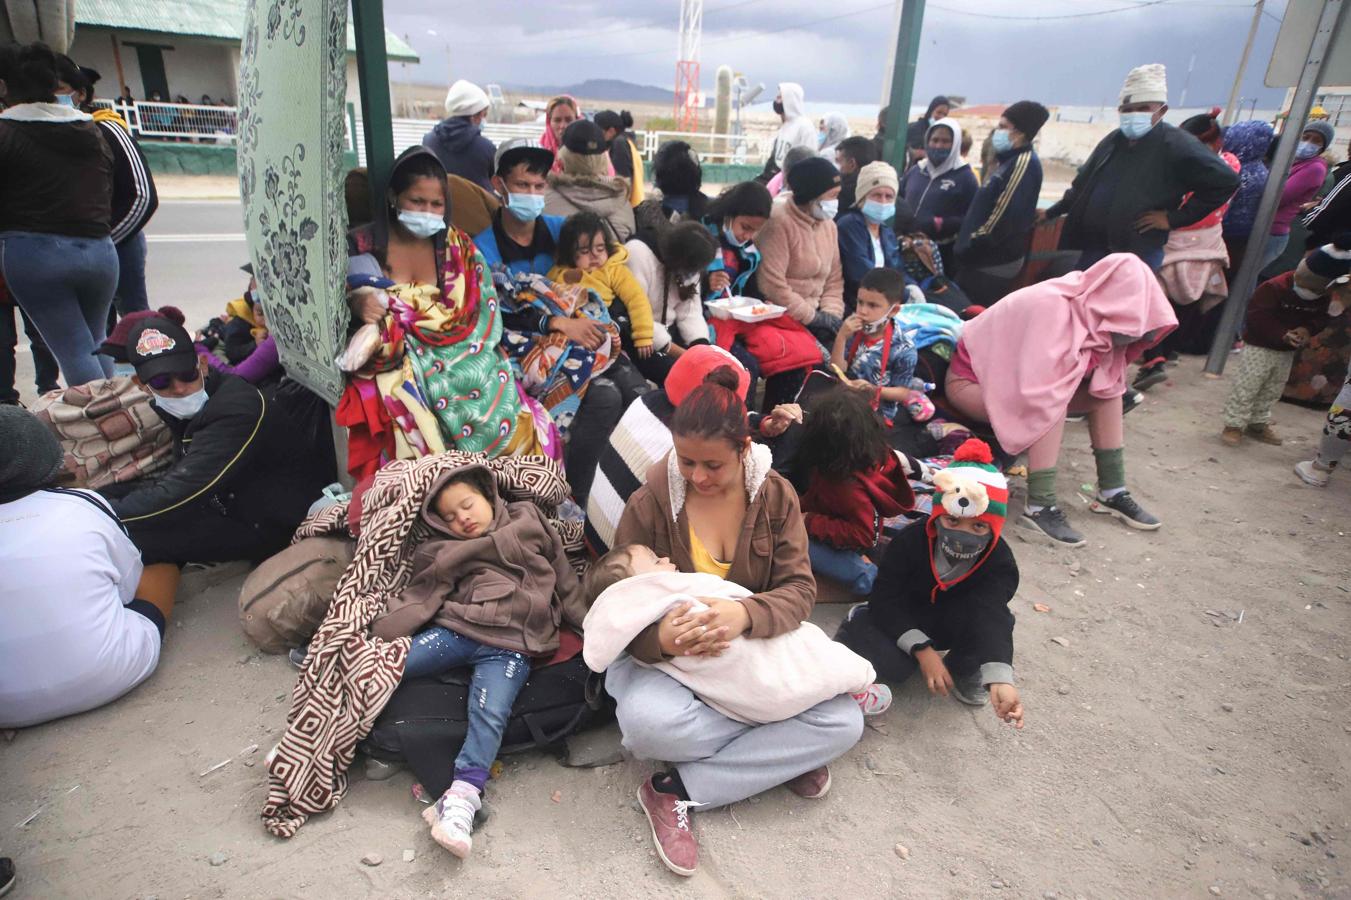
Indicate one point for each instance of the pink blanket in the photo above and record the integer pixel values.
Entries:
(1031, 350)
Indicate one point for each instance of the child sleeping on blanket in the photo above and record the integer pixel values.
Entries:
(753, 681)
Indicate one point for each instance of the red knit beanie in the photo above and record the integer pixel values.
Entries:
(694, 364)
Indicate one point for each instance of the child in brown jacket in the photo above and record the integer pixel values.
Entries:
(488, 593)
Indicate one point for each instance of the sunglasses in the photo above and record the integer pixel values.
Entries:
(163, 381)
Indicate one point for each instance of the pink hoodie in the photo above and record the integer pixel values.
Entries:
(1306, 177)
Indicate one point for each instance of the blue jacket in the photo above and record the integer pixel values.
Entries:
(999, 223)
(486, 241)
(743, 260)
(940, 204)
(463, 150)
(856, 251)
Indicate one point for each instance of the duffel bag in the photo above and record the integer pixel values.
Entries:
(284, 601)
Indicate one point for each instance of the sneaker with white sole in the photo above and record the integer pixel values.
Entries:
(1310, 472)
(672, 833)
(452, 818)
(1049, 522)
(874, 700)
(969, 690)
(1124, 507)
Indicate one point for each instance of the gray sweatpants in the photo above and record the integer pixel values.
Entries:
(721, 760)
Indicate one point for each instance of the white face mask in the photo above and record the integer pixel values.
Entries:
(422, 224)
(825, 209)
(183, 408)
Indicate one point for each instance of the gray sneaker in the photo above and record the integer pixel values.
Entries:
(1050, 522)
(1124, 507)
(969, 690)
(298, 655)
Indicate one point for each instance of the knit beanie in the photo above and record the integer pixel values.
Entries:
(33, 457)
(811, 178)
(1320, 270)
(1145, 84)
(1027, 116)
(872, 176)
(694, 364)
(465, 99)
(972, 488)
(1323, 129)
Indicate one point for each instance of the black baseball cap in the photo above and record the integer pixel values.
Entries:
(585, 137)
(158, 346)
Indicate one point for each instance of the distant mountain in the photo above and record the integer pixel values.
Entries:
(600, 89)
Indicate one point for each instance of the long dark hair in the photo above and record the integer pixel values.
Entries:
(714, 410)
(749, 198)
(841, 436)
(686, 249)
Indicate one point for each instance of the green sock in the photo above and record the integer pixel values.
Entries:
(1111, 468)
(1041, 487)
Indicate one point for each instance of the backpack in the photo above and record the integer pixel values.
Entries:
(284, 600)
(426, 719)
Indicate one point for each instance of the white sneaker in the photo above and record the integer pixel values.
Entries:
(874, 700)
(452, 818)
(1310, 472)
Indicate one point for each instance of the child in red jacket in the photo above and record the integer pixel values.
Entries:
(854, 481)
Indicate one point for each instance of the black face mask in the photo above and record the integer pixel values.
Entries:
(778, 107)
(956, 553)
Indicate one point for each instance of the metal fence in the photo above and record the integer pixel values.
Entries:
(178, 121)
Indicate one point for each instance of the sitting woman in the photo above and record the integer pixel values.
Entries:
(250, 349)
(867, 241)
(678, 176)
(84, 620)
(671, 282)
(714, 505)
(427, 368)
(735, 218)
(1058, 347)
(583, 186)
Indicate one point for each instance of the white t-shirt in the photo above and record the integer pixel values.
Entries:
(67, 641)
(879, 259)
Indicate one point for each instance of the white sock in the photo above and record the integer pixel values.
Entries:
(1109, 494)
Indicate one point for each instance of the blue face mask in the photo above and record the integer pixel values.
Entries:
(1307, 150)
(877, 212)
(938, 155)
(731, 238)
(526, 207)
(820, 138)
(65, 100)
(1135, 125)
(1002, 141)
(421, 224)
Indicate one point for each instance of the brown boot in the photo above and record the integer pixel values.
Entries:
(1265, 434)
(1231, 436)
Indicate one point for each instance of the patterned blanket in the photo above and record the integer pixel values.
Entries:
(349, 675)
(109, 431)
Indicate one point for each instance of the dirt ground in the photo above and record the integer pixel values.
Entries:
(1187, 736)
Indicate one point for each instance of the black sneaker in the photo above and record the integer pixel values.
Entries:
(298, 655)
(7, 875)
(1148, 376)
(969, 690)
(1050, 522)
(1172, 357)
(1131, 400)
(1124, 507)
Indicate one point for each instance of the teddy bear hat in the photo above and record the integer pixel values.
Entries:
(972, 488)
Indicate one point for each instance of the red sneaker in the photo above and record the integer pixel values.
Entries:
(811, 785)
(672, 834)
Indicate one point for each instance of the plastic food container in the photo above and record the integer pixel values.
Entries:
(745, 309)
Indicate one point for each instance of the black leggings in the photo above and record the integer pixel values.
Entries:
(858, 633)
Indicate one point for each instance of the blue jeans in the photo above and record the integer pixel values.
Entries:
(66, 285)
(848, 567)
(1275, 246)
(131, 296)
(498, 678)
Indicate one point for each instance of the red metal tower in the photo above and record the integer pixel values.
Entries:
(687, 95)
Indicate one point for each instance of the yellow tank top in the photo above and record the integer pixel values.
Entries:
(703, 560)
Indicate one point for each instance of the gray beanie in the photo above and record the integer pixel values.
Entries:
(1323, 129)
(33, 457)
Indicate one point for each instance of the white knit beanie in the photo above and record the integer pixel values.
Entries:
(465, 99)
(874, 175)
(1146, 84)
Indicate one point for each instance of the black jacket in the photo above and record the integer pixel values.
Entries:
(971, 617)
(998, 225)
(240, 454)
(56, 177)
(1332, 216)
(134, 196)
(1155, 172)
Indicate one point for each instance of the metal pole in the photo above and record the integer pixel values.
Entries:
(903, 82)
(368, 23)
(1243, 63)
(1246, 278)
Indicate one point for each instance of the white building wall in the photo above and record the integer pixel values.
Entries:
(193, 67)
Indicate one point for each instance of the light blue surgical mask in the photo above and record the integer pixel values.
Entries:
(1307, 150)
(182, 408)
(422, 224)
(66, 100)
(878, 212)
(1002, 141)
(731, 238)
(526, 207)
(820, 138)
(1135, 125)
(938, 155)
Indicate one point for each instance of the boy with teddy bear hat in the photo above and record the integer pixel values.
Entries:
(947, 586)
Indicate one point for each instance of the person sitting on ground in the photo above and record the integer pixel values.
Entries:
(714, 505)
(797, 129)
(940, 188)
(997, 229)
(237, 487)
(485, 554)
(84, 619)
(1285, 312)
(917, 132)
(1128, 195)
(583, 186)
(249, 347)
(801, 251)
(458, 141)
(1335, 442)
(1061, 346)
(851, 155)
(587, 256)
(631, 587)
(867, 235)
(735, 217)
(946, 585)
(874, 353)
(687, 249)
(678, 177)
(625, 156)
(854, 482)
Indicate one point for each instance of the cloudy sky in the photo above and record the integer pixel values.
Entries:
(1058, 51)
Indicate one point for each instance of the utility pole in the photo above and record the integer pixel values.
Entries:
(368, 26)
(903, 82)
(1243, 63)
